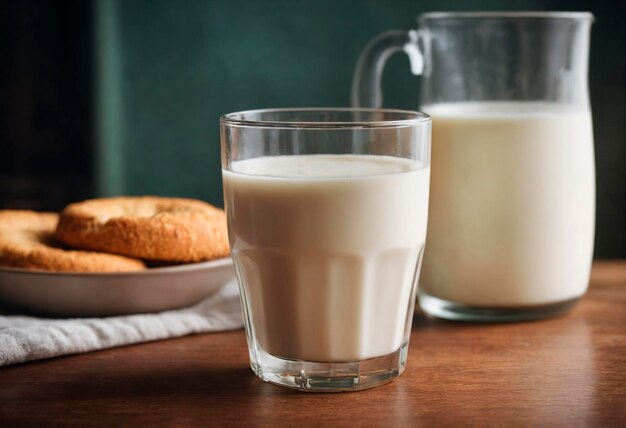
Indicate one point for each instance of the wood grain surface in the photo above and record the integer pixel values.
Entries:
(569, 371)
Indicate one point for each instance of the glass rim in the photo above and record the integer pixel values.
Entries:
(239, 119)
(507, 15)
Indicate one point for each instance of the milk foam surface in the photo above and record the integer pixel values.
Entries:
(327, 248)
(512, 204)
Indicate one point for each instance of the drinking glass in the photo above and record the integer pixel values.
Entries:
(512, 208)
(327, 212)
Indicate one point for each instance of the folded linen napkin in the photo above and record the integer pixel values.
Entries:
(25, 338)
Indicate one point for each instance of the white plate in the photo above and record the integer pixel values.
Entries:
(71, 294)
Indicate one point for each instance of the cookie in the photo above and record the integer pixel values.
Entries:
(27, 241)
(148, 227)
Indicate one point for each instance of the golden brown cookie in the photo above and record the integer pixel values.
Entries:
(27, 241)
(148, 227)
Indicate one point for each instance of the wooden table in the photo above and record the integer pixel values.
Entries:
(569, 371)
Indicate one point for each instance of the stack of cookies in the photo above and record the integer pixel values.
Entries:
(114, 235)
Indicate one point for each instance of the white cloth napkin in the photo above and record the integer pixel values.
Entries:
(25, 338)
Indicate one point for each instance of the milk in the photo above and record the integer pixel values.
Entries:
(327, 250)
(512, 204)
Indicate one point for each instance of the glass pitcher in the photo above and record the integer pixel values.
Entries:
(512, 206)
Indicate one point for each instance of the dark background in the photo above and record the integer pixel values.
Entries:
(123, 97)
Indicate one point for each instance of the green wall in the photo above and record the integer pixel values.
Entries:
(166, 70)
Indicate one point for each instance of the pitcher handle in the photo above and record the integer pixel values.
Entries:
(366, 90)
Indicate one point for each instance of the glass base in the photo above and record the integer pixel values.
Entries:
(457, 312)
(330, 377)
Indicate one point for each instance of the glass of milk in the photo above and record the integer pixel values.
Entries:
(327, 213)
(512, 205)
